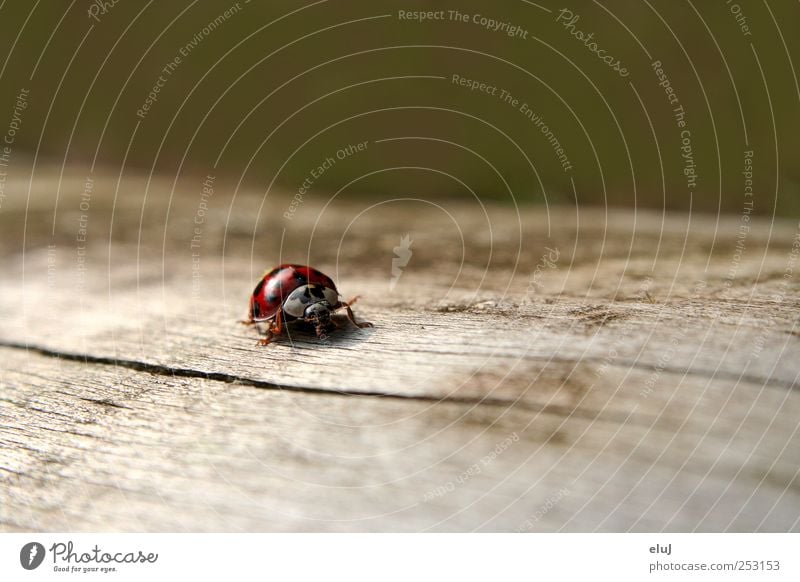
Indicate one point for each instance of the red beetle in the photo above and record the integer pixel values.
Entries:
(296, 293)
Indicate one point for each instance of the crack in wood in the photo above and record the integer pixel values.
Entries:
(105, 402)
(163, 370)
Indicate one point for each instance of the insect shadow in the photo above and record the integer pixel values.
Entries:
(340, 333)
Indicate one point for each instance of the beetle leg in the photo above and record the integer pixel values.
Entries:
(277, 326)
(352, 317)
(275, 329)
(267, 340)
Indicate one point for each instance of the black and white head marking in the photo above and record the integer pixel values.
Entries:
(298, 300)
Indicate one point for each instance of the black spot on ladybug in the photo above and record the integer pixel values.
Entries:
(256, 309)
(272, 297)
(258, 288)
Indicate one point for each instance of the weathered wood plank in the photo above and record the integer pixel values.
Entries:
(415, 349)
(88, 447)
(648, 374)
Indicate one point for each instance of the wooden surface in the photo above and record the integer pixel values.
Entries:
(645, 380)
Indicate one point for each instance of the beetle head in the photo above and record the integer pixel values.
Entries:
(319, 315)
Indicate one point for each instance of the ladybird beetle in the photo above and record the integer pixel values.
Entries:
(296, 293)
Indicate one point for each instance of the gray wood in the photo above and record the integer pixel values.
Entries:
(94, 446)
(634, 397)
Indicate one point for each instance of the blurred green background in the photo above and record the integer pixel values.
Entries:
(267, 91)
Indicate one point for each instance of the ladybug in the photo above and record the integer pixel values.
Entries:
(297, 293)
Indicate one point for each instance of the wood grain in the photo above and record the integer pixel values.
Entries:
(647, 380)
(96, 446)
